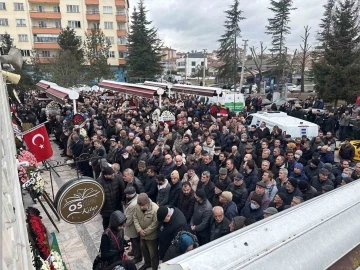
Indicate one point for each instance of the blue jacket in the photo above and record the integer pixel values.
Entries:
(256, 214)
(301, 176)
(166, 170)
(230, 210)
(251, 180)
(327, 157)
(211, 168)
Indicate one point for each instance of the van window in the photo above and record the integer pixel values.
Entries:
(249, 119)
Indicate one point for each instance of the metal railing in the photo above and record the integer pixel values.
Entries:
(92, 12)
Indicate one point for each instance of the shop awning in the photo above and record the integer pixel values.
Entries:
(57, 93)
(196, 90)
(130, 89)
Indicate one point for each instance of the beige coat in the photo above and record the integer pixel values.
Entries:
(130, 230)
(147, 221)
(193, 180)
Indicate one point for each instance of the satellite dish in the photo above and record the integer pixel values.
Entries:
(95, 88)
(73, 95)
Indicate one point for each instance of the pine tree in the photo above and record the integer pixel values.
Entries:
(96, 51)
(337, 74)
(326, 23)
(144, 46)
(279, 28)
(68, 42)
(228, 44)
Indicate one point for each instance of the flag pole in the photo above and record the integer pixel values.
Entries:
(40, 125)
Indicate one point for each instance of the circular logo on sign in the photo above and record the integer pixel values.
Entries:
(79, 200)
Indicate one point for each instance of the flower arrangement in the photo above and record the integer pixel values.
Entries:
(56, 260)
(33, 164)
(38, 232)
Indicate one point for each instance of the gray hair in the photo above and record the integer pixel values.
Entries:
(284, 171)
(298, 198)
(267, 151)
(129, 171)
(218, 208)
(116, 167)
(206, 173)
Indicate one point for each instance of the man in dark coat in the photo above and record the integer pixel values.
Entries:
(239, 192)
(219, 224)
(187, 200)
(150, 185)
(321, 180)
(77, 146)
(127, 161)
(250, 175)
(230, 208)
(131, 180)
(113, 187)
(207, 185)
(157, 159)
(167, 167)
(171, 221)
(207, 164)
(290, 190)
(263, 131)
(253, 209)
(199, 222)
(180, 166)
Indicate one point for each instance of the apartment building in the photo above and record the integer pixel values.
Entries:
(35, 24)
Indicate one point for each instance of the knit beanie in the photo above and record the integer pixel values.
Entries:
(220, 186)
(239, 222)
(257, 199)
(161, 213)
(201, 194)
(303, 185)
(185, 241)
(315, 161)
(293, 182)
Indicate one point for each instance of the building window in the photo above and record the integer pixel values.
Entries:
(110, 40)
(4, 22)
(72, 8)
(74, 24)
(25, 52)
(20, 22)
(42, 24)
(57, 9)
(108, 25)
(2, 6)
(111, 54)
(120, 12)
(43, 38)
(122, 54)
(193, 70)
(45, 53)
(202, 63)
(121, 26)
(18, 6)
(57, 24)
(107, 10)
(122, 40)
(23, 38)
(193, 64)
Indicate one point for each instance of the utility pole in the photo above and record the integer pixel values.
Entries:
(186, 55)
(204, 67)
(243, 63)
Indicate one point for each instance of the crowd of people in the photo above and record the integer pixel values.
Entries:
(171, 187)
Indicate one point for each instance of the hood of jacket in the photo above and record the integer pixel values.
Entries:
(116, 219)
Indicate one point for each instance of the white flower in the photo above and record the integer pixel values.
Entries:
(56, 260)
(45, 265)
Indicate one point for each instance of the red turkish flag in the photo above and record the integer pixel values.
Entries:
(38, 143)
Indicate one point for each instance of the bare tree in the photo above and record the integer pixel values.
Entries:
(305, 48)
(258, 60)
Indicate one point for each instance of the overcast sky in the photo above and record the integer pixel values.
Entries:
(187, 25)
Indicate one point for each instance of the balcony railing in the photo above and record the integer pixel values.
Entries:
(92, 12)
(120, 12)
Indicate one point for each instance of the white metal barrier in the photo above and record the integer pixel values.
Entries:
(311, 236)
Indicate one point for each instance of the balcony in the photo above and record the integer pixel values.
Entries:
(122, 47)
(88, 31)
(45, 1)
(41, 45)
(93, 15)
(91, 2)
(120, 16)
(120, 3)
(121, 32)
(46, 60)
(122, 62)
(45, 30)
(45, 15)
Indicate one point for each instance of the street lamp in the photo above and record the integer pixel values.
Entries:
(74, 95)
(160, 92)
(169, 86)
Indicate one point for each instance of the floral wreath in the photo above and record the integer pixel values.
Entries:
(33, 164)
(54, 262)
(35, 185)
(38, 232)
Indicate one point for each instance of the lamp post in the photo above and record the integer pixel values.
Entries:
(160, 92)
(169, 86)
(74, 95)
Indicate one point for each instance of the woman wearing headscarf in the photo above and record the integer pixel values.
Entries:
(183, 242)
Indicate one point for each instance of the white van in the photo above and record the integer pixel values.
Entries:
(231, 100)
(290, 125)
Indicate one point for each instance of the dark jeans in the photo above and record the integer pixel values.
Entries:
(135, 244)
(106, 221)
(149, 249)
(342, 132)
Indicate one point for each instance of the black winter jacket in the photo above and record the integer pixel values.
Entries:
(186, 204)
(218, 230)
(240, 195)
(114, 194)
(168, 230)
